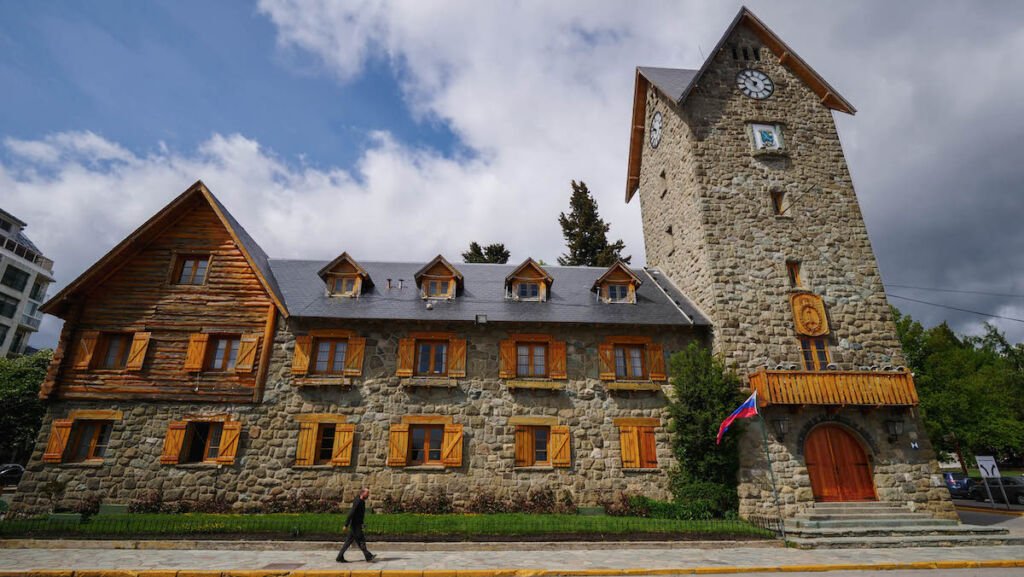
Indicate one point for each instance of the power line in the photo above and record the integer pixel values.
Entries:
(954, 308)
(922, 288)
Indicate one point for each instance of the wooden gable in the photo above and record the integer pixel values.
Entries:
(345, 267)
(529, 271)
(439, 269)
(617, 274)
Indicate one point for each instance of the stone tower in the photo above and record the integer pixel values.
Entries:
(748, 206)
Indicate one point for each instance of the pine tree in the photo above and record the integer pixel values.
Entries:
(493, 253)
(586, 235)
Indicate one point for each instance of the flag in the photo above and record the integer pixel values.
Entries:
(746, 410)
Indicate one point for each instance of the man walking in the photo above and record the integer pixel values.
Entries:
(354, 524)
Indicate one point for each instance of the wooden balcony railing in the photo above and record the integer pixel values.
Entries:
(841, 388)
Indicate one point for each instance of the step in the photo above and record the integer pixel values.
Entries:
(907, 541)
(907, 531)
(859, 506)
(889, 523)
(823, 516)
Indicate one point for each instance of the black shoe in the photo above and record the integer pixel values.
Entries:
(371, 558)
(340, 559)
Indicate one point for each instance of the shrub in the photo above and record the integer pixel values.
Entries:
(151, 502)
(484, 502)
(88, 506)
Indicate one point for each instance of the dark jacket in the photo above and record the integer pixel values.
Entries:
(355, 516)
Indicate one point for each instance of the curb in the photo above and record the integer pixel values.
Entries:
(988, 510)
(238, 545)
(717, 570)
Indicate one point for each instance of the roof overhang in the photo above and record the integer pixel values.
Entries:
(438, 260)
(529, 263)
(619, 265)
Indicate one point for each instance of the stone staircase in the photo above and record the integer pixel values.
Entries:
(875, 524)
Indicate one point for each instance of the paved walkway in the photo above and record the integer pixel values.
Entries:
(407, 557)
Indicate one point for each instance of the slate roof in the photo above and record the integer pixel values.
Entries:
(674, 82)
(570, 299)
(259, 259)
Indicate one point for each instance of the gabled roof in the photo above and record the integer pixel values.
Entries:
(418, 276)
(156, 225)
(529, 263)
(619, 265)
(344, 257)
(678, 84)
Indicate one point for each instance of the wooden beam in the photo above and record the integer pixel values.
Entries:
(321, 418)
(532, 421)
(96, 415)
(545, 385)
(268, 350)
(427, 420)
(633, 386)
(637, 422)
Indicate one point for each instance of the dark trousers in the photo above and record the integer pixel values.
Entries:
(355, 534)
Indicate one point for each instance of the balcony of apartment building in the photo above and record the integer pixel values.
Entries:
(26, 252)
(866, 387)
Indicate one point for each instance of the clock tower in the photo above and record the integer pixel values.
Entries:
(748, 207)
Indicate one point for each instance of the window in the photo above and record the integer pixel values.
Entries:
(425, 444)
(5, 226)
(18, 342)
(3, 334)
(793, 270)
(223, 353)
(15, 278)
(815, 351)
(38, 291)
(113, 350)
(325, 443)
(89, 441)
(330, 356)
(618, 293)
(437, 288)
(780, 206)
(531, 360)
(8, 305)
(533, 445)
(202, 444)
(191, 269)
(528, 290)
(344, 285)
(637, 443)
(629, 362)
(432, 357)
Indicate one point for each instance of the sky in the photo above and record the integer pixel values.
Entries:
(397, 130)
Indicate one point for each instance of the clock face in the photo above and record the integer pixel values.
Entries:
(755, 84)
(656, 123)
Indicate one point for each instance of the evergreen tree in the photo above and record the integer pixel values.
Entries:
(586, 235)
(22, 414)
(493, 253)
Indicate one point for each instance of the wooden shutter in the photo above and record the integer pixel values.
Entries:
(606, 359)
(343, 437)
(398, 445)
(354, 352)
(629, 447)
(556, 360)
(305, 452)
(137, 353)
(648, 447)
(561, 448)
(524, 446)
(406, 354)
(300, 362)
(86, 346)
(247, 347)
(457, 357)
(507, 352)
(451, 446)
(196, 352)
(229, 436)
(656, 362)
(60, 432)
(172, 442)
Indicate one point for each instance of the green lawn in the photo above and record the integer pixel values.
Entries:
(395, 526)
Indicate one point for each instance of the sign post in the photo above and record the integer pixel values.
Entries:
(989, 470)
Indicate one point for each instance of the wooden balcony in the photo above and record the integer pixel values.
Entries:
(837, 388)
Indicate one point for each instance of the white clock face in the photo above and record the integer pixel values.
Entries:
(755, 84)
(656, 123)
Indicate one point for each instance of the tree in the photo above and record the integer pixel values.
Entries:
(22, 413)
(494, 253)
(586, 235)
(705, 394)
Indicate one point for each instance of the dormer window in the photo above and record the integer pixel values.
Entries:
(528, 290)
(528, 282)
(438, 279)
(618, 293)
(438, 288)
(344, 286)
(617, 285)
(344, 277)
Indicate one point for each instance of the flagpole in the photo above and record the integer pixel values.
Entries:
(771, 475)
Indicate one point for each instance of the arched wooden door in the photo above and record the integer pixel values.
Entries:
(838, 466)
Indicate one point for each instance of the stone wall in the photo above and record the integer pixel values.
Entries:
(264, 470)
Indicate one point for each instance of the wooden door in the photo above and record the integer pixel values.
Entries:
(838, 466)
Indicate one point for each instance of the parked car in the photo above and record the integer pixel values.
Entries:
(959, 485)
(11, 474)
(1014, 487)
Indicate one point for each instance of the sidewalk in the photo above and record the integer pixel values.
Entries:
(547, 560)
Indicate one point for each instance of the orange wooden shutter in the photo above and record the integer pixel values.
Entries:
(561, 448)
(656, 362)
(556, 361)
(398, 445)
(524, 446)
(305, 452)
(606, 358)
(354, 352)
(247, 347)
(229, 442)
(86, 346)
(300, 362)
(507, 352)
(343, 437)
(196, 351)
(451, 446)
(457, 357)
(137, 353)
(406, 354)
(648, 448)
(172, 442)
(629, 447)
(60, 432)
